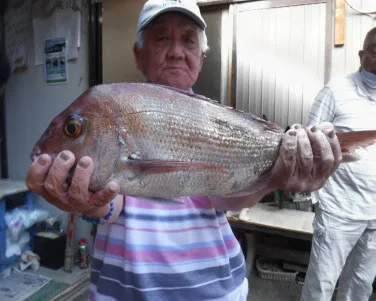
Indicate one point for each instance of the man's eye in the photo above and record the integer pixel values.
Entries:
(162, 38)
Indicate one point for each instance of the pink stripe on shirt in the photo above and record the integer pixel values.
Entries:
(200, 202)
(171, 230)
(165, 256)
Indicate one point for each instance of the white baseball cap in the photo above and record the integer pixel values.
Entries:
(154, 8)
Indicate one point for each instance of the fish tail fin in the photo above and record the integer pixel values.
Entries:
(350, 141)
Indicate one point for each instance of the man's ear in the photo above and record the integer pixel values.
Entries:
(361, 54)
(138, 56)
(202, 61)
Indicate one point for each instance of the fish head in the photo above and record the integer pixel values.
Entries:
(65, 132)
(87, 127)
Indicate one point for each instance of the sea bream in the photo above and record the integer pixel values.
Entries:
(158, 142)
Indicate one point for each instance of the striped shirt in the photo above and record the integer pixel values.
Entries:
(351, 191)
(164, 252)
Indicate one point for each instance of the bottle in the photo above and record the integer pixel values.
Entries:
(83, 253)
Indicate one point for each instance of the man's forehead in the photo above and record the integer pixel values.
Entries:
(174, 17)
(370, 40)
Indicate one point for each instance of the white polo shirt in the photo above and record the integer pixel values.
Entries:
(351, 191)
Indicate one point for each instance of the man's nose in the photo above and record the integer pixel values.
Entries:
(176, 50)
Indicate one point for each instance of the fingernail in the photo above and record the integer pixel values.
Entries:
(84, 163)
(63, 156)
(292, 133)
(42, 160)
(313, 129)
(331, 134)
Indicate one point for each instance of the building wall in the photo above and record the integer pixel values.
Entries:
(30, 106)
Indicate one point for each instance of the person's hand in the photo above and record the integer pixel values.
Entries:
(48, 179)
(307, 158)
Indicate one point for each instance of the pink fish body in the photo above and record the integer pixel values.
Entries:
(158, 142)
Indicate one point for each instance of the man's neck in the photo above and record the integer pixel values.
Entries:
(369, 81)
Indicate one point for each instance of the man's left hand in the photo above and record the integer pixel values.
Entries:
(307, 158)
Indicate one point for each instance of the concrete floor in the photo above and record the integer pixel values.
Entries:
(273, 290)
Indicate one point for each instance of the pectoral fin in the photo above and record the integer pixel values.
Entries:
(163, 166)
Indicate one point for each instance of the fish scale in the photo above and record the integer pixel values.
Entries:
(219, 144)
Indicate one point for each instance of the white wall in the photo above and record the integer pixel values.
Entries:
(31, 105)
(280, 64)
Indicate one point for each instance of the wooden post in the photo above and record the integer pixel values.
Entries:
(340, 23)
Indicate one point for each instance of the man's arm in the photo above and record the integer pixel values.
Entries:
(100, 212)
(323, 109)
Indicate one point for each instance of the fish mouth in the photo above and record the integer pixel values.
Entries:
(35, 153)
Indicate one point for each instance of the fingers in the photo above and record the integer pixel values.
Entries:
(55, 183)
(336, 148)
(108, 193)
(37, 173)
(322, 153)
(329, 131)
(79, 189)
(49, 178)
(285, 165)
(305, 154)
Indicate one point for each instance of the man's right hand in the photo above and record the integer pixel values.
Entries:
(48, 179)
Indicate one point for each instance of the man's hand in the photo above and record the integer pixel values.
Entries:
(48, 179)
(307, 158)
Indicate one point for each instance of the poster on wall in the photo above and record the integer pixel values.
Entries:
(55, 61)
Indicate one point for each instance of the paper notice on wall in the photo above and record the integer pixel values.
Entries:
(17, 34)
(55, 61)
(54, 18)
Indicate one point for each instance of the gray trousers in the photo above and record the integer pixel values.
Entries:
(343, 250)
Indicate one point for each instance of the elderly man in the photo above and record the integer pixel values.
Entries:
(149, 251)
(344, 238)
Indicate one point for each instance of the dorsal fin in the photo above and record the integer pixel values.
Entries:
(188, 93)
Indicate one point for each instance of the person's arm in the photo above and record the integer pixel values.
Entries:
(323, 108)
(102, 211)
(238, 203)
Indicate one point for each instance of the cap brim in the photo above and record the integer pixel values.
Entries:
(182, 10)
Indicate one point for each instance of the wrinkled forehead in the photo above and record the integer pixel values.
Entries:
(176, 19)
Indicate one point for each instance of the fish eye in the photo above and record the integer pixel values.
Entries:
(73, 127)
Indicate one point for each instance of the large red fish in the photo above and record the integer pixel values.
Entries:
(159, 142)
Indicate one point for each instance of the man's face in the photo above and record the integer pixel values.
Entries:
(368, 54)
(172, 53)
